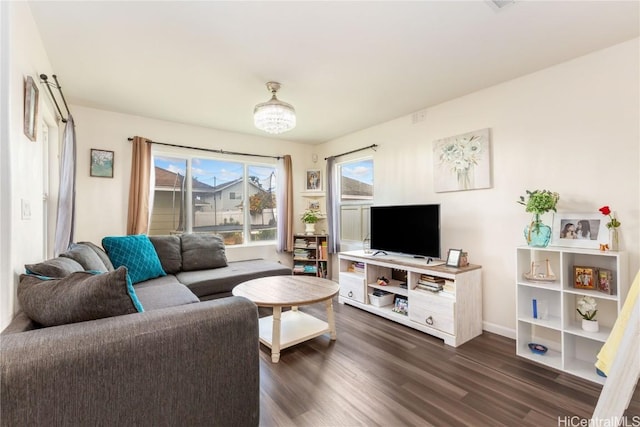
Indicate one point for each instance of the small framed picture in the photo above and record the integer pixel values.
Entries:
(453, 257)
(313, 182)
(585, 277)
(605, 281)
(101, 163)
(30, 108)
(314, 205)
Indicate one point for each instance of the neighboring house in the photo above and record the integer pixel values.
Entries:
(220, 205)
(352, 189)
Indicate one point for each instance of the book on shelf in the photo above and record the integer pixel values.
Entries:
(430, 279)
(432, 287)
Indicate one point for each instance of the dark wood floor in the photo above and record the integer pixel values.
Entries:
(379, 373)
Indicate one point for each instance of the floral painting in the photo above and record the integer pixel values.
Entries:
(462, 162)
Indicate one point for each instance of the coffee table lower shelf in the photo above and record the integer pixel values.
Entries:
(295, 327)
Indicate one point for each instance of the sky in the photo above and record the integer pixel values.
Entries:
(360, 171)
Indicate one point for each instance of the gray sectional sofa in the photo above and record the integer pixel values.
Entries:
(168, 350)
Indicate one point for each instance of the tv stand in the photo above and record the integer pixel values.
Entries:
(453, 314)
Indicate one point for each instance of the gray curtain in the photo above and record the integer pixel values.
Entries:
(333, 207)
(65, 222)
(284, 201)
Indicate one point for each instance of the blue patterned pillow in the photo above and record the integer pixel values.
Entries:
(137, 254)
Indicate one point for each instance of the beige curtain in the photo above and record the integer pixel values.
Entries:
(285, 205)
(139, 188)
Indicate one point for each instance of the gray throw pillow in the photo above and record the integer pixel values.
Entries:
(55, 267)
(101, 253)
(202, 252)
(86, 257)
(79, 297)
(169, 252)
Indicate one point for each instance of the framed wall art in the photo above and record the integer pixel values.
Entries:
(101, 163)
(462, 162)
(313, 182)
(30, 108)
(579, 230)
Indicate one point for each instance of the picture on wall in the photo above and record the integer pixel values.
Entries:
(313, 182)
(101, 163)
(579, 230)
(462, 162)
(30, 108)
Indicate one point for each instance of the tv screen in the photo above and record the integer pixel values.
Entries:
(408, 229)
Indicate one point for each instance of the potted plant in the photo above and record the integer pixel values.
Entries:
(310, 217)
(538, 202)
(587, 309)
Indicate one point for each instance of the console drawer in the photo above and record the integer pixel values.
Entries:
(434, 310)
(352, 286)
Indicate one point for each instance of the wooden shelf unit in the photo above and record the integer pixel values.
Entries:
(571, 349)
(454, 315)
(310, 256)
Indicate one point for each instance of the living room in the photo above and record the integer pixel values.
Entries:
(571, 127)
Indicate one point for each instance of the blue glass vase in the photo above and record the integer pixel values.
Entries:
(537, 234)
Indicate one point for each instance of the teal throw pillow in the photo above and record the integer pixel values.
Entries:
(137, 254)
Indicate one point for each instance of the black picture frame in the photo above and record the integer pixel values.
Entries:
(453, 257)
(101, 163)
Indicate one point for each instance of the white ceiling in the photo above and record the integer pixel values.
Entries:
(343, 65)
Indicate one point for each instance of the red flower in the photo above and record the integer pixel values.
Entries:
(605, 210)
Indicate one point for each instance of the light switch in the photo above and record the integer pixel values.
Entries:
(26, 209)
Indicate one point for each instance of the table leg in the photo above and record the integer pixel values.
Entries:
(330, 319)
(275, 338)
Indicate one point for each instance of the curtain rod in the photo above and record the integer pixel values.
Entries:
(372, 146)
(44, 79)
(210, 150)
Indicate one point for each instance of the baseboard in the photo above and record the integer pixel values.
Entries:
(500, 330)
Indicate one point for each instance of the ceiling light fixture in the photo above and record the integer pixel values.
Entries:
(274, 116)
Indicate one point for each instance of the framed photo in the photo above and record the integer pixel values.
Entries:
(453, 257)
(314, 205)
(313, 183)
(101, 163)
(579, 230)
(585, 277)
(30, 108)
(605, 281)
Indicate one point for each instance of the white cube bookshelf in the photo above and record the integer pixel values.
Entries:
(571, 349)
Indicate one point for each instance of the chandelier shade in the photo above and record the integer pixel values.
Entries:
(274, 116)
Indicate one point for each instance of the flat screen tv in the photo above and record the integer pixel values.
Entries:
(408, 229)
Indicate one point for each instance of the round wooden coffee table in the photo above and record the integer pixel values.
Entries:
(282, 330)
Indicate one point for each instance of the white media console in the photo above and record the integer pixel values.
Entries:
(453, 314)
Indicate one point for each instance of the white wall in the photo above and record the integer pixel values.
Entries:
(572, 128)
(22, 160)
(101, 203)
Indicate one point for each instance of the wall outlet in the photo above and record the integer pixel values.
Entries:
(25, 209)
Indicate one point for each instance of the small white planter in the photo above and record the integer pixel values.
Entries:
(590, 325)
(310, 229)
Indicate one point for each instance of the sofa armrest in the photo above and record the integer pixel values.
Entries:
(194, 364)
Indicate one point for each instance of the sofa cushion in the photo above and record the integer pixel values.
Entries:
(101, 253)
(169, 252)
(136, 253)
(220, 280)
(79, 297)
(202, 251)
(86, 257)
(55, 267)
(163, 292)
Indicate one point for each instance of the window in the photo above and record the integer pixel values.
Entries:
(205, 195)
(356, 196)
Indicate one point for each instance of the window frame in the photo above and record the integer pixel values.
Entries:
(246, 165)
